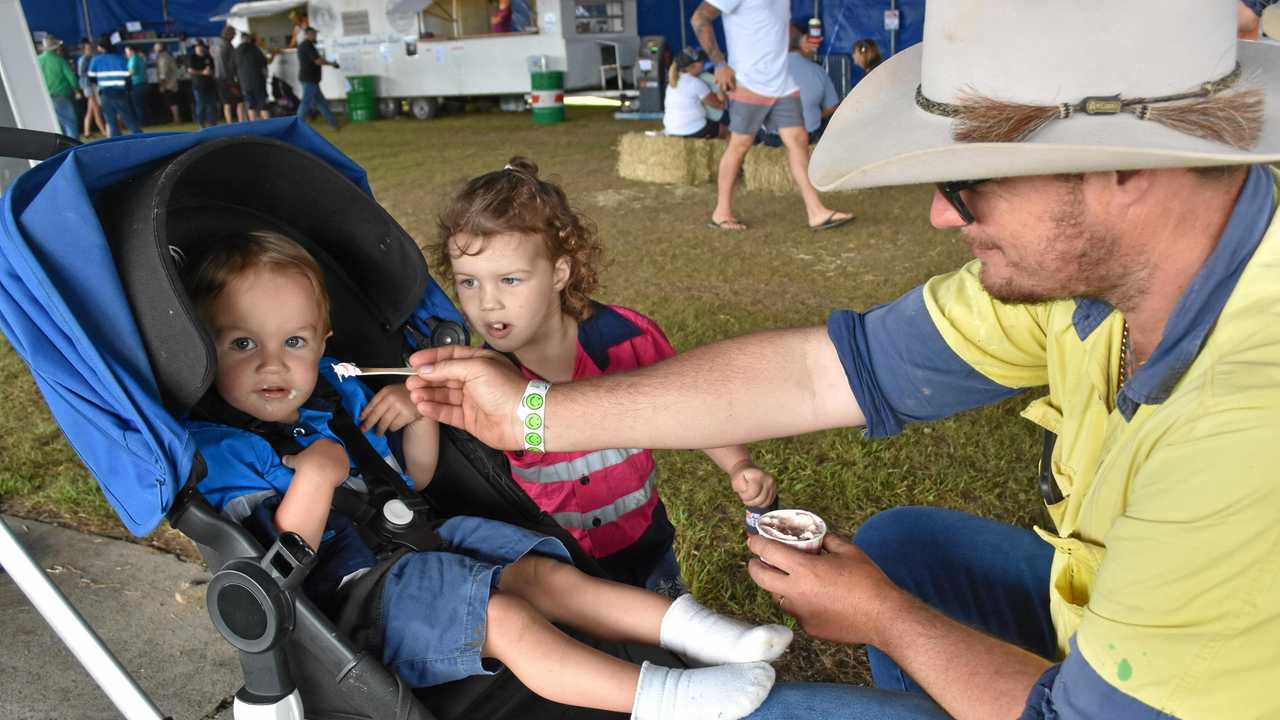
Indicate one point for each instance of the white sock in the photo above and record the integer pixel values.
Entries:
(723, 692)
(706, 636)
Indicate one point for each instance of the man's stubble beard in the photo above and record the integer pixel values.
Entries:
(1080, 259)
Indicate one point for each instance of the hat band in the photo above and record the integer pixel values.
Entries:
(1237, 122)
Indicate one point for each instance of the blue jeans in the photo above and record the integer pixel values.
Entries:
(435, 605)
(206, 107)
(116, 102)
(988, 575)
(665, 578)
(68, 122)
(138, 97)
(311, 94)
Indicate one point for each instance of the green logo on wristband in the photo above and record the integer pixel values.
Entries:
(534, 402)
(533, 422)
(533, 440)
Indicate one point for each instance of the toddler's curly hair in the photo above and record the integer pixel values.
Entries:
(516, 200)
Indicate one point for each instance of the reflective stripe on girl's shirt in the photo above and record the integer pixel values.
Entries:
(611, 512)
(575, 468)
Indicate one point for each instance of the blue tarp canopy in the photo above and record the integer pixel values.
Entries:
(74, 19)
(64, 311)
(844, 22)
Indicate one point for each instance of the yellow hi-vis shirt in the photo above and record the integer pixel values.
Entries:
(1167, 543)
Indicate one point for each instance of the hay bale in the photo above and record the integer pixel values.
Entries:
(766, 169)
(662, 159)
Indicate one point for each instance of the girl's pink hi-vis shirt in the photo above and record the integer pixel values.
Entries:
(606, 499)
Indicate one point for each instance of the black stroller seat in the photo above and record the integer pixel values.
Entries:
(384, 306)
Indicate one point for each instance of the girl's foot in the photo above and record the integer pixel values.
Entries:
(723, 692)
(706, 636)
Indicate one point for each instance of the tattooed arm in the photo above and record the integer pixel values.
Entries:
(703, 19)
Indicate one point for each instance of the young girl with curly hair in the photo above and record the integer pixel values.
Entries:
(524, 265)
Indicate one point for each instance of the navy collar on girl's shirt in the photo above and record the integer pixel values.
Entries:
(1201, 303)
(604, 329)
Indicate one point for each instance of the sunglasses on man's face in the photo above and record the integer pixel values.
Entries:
(951, 191)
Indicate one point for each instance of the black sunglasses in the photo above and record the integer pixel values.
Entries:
(951, 191)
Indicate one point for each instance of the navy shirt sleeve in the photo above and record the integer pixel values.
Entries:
(901, 370)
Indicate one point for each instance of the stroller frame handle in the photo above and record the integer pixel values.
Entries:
(32, 144)
(70, 625)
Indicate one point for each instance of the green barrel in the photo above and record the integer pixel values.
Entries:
(362, 98)
(547, 97)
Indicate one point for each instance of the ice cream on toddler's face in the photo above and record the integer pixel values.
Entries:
(800, 529)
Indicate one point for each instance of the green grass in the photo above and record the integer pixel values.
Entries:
(701, 285)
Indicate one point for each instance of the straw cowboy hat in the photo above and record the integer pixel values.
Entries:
(1001, 88)
(50, 43)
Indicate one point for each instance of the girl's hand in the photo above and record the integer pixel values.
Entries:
(755, 487)
(389, 410)
(323, 460)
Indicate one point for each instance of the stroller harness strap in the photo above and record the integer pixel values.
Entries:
(390, 515)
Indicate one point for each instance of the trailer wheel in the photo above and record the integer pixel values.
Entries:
(424, 108)
(388, 107)
(512, 103)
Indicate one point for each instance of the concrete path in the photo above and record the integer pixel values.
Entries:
(148, 608)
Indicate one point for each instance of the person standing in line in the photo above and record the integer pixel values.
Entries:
(111, 74)
(310, 64)
(93, 110)
(137, 66)
(203, 92)
(762, 93)
(251, 71)
(167, 80)
(60, 82)
(224, 72)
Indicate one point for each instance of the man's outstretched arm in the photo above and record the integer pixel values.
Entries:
(769, 384)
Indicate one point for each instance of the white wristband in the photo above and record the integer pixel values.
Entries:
(532, 406)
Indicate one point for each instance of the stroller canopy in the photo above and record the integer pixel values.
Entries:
(66, 310)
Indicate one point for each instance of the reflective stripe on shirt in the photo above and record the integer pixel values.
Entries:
(611, 512)
(110, 78)
(576, 468)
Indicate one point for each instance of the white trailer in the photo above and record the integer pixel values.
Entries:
(422, 51)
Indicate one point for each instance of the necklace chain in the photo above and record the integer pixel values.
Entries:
(1125, 352)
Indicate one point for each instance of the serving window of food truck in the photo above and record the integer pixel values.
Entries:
(456, 19)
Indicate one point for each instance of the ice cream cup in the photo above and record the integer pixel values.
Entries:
(800, 529)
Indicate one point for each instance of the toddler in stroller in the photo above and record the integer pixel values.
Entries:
(491, 590)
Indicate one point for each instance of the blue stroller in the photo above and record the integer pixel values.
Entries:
(90, 241)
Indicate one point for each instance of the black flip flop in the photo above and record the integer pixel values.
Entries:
(829, 223)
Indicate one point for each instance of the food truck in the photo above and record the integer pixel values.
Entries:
(422, 51)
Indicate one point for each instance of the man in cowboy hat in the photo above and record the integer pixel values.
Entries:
(60, 81)
(1110, 180)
